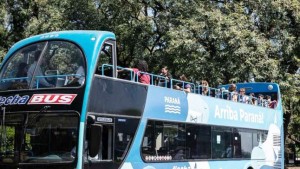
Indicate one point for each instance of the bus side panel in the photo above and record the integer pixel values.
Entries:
(112, 96)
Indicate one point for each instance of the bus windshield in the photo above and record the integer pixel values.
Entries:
(44, 65)
(38, 137)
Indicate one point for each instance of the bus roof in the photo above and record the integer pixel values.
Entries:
(86, 40)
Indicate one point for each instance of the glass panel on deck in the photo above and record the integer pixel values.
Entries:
(44, 65)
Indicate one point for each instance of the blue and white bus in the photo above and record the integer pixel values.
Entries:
(63, 105)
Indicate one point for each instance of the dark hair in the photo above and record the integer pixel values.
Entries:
(164, 66)
(183, 77)
(142, 66)
(232, 87)
(21, 72)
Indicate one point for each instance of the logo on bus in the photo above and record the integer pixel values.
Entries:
(13, 100)
(52, 99)
(172, 105)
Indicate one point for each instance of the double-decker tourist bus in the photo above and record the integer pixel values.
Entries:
(63, 105)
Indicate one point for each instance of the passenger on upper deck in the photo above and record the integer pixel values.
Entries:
(78, 79)
(232, 95)
(260, 100)
(183, 86)
(36, 68)
(220, 93)
(252, 99)
(139, 74)
(22, 72)
(270, 103)
(142, 66)
(242, 97)
(164, 82)
(205, 87)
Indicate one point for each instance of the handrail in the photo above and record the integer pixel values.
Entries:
(56, 76)
(196, 88)
(183, 84)
(15, 78)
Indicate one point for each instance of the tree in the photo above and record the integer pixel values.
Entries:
(220, 41)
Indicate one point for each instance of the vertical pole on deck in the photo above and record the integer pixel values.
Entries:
(114, 60)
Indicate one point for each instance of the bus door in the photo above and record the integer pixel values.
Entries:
(105, 142)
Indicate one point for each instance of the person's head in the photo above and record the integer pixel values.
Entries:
(260, 96)
(268, 98)
(204, 83)
(232, 87)
(164, 70)
(242, 91)
(142, 66)
(183, 78)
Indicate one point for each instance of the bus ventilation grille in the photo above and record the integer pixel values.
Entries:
(276, 140)
(277, 165)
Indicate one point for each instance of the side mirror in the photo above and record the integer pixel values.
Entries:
(95, 137)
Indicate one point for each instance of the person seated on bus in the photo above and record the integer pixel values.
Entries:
(270, 103)
(36, 68)
(165, 80)
(78, 79)
(252, 99)
(179, 155)
(228, 152)
(232, 94)
(242, 97)
(205, 88)
(221, 93)
(139, 72)
(21, 82)
(260, 100)
(186, 87)
(22, 72)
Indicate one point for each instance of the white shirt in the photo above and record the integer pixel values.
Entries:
(38, 72)
(80, 75)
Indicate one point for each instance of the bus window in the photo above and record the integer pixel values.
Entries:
(259, 137)
(124, 135)
(44, 65)
(14, 72)
(164, 141)
(198, 141)
(242, 143)
(106, 144)
(62, 64)
(106, 60)
(38, 138)
(221, 142)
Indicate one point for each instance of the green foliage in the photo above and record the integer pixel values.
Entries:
(221, 42)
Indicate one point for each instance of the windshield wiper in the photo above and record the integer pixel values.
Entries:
(26, 123)
(44, 109)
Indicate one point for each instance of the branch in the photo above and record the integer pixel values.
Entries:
(292, 138)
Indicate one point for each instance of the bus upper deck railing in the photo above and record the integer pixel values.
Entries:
(61, 80)
(220, 93)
